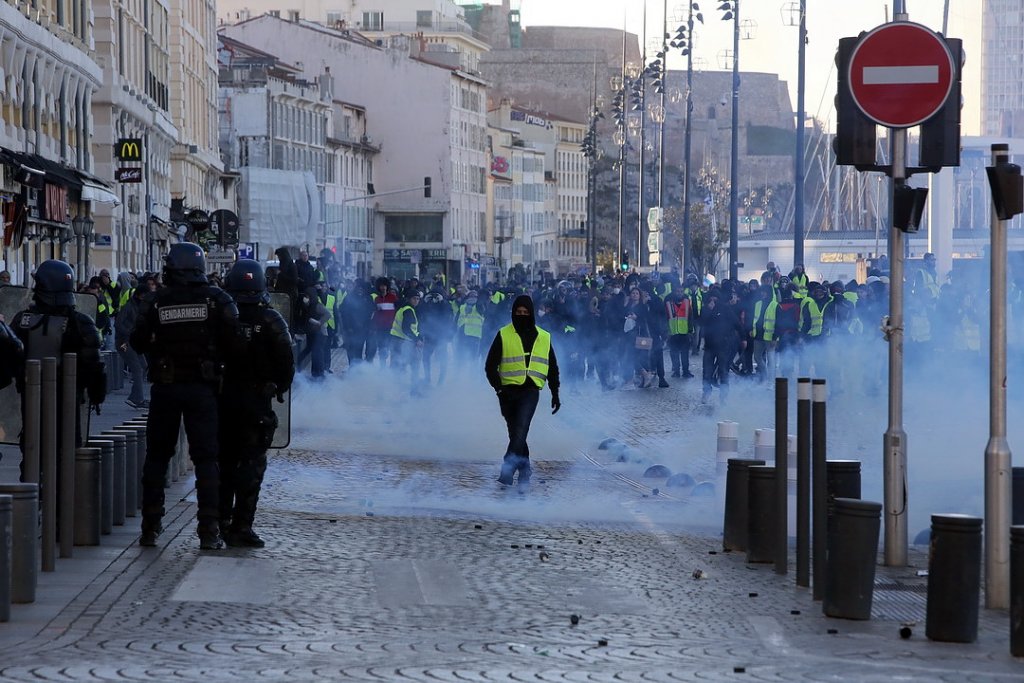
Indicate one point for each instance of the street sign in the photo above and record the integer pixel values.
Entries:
(247, 250)
(128, 175)
(654, 218)
(221, 257)
(901, 74)
(654, 241)
(654, 257)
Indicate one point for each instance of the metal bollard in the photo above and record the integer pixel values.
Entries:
(760, 514)
(803, 482)
(5, 558)
(131, 471)
(842, 480)
(851, 558)
(87, 496)
(32, 400)
(737, 482)
(141, 448)
(117, 478)
(819, 490)
(728, 445)
(24, 540)
(780, 527)
(1018, 495)
(954, 579)
(106, 447)
(68, 422)
(48, 455)
(1017, 591)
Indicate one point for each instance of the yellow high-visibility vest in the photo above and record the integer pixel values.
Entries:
(514, 368)
(398, 327)
(471, 321)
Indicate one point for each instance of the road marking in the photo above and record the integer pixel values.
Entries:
(229, 579)
(901, 75)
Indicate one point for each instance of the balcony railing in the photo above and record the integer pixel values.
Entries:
(410, 27)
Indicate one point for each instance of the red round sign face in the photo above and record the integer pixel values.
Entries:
(901, 74)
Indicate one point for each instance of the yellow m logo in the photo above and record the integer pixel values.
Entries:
(129, 150)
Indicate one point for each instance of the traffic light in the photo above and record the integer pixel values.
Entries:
(426, 187)
(854, 143)
(908, 207)
(940, 135)
(625, 259)
(1007, 189)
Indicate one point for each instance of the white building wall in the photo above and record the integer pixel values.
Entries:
(411, 118)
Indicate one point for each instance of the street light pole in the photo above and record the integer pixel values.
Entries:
(735, 150)
(798, 218)
(643, 122)
(685, 265)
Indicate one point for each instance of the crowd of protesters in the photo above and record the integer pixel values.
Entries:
(623, 330)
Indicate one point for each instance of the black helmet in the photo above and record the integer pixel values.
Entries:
(247, 283)
(185, 263)
(55, 283)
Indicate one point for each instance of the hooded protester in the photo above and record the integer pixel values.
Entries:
(519, 363)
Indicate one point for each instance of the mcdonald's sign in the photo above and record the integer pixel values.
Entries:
(128, 149)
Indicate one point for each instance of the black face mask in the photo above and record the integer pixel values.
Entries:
(522, 323)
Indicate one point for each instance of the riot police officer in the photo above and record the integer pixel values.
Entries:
(264, 368)
(187, 329)
(51, 327)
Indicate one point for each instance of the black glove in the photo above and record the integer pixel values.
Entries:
(555, 404)
(280, 397)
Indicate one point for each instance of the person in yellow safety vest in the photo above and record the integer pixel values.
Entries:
(798, 278)
(469, 327)
(680, 311)
(812, 312)
(406, 341)
(762, 331)
(331, 304)
(520, 362)
(927, 279)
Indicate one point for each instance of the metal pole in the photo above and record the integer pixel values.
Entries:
(998, 475)
(734, 175)
(69, 409)
(30, 454)
(781, 474)
(49, 457)
(643, 126)
(664, 111)
(622, 147)
(798, 217)
(819, 428)
(685, 266)
(803, 481)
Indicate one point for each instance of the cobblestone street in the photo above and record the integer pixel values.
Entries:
(392, 554)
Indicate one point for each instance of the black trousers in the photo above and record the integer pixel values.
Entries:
(517, 407)
(246, 427)
(169, 405)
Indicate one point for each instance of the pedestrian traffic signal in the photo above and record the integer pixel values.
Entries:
(625, 259)
(1007, 189)
(908, 207)
(426, 187)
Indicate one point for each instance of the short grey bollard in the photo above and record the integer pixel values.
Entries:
(842, 480)
(5, 558)
(24, 540)
(106, 447)
(954, 579)
(88, 517)
(139, 425)
(851, 558)
(118, 476)
(761, 514)
(734, 531)
(131, 471)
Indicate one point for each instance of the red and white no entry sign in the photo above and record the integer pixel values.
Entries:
(901, 74)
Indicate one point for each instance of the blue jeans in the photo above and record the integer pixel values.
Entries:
(134, 364)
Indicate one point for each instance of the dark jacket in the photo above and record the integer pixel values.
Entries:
(722, 327)
(527, 331)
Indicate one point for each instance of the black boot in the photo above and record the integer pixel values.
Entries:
(209, 535)
(508, 469)
(150, 531)
(243, 537)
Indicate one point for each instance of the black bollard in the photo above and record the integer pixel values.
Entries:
(24, 540)
(118, 472)
(954, 579)
(88, 517)
(106, 447)
(1018, 495)
(803, 481)
(780, 523)
(1017, 591)
(842, 480)
(6, 529)
(761, 517)
(734, 532)
(850, 559)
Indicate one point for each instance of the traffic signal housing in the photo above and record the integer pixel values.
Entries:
(908, 207)
(1007, 187)
(426, 187)
(940, 135)
(854, 143)
(624, 264)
